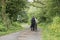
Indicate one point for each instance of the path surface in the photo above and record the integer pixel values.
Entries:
(29, 35)
(23, 35)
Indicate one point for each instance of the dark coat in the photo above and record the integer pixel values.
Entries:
(33, 24)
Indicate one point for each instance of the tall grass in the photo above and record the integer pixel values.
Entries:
(51, 31)
(12, 28)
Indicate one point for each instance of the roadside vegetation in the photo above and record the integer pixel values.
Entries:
(15, 12)
(12, 14)
(13, 28)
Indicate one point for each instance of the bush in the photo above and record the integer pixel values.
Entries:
(15, 26)
(55, 26)
(52, 31)
(2, 28)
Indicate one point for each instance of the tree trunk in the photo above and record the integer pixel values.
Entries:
(4, 16)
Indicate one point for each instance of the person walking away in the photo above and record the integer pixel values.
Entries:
(33, 24)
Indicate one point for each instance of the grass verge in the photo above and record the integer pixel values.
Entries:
(13, 28)
(51, 31)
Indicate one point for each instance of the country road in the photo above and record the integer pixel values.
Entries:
(26, 34)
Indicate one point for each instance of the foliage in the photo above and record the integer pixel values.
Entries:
(51, 25)
(2, 28)
(13, 28)
(46, 11)
(14, 7)
(51, 31)
(9, 10)
(23, 17)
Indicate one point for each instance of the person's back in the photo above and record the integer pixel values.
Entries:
(33, 24)
(33, 21)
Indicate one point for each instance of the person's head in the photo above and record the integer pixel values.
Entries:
(33, 17)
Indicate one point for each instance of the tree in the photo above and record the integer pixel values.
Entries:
(10, 10)
(14, 7)
(5, 18)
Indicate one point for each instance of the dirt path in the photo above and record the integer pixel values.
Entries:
(30, 35)
(23, 35)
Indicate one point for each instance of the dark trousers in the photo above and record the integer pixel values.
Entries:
(33, 27)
